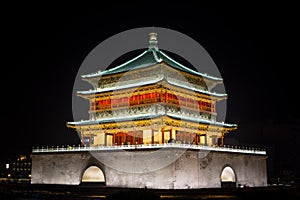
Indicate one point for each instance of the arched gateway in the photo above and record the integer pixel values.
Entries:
(228, 178)
(93, 174)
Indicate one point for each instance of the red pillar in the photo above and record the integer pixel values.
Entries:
(82, 139)
(113, 139)
(152, 136)
(91, 137)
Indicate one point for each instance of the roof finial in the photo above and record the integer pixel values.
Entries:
(153, 41)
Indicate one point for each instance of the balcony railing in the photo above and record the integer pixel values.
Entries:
(234, 149)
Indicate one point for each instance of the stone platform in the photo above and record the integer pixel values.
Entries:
(157, 168)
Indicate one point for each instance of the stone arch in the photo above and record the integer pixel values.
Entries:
(93, 174)
(228, 177)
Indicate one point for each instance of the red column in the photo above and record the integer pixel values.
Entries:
(197, 139)
(82, 139)
(91, 137)
(152, 136)
(113, 139)
(166, 97)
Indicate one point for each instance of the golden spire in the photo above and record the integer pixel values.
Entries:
(153, 41)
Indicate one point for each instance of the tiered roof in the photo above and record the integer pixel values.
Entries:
(148, 58)
(151, 57)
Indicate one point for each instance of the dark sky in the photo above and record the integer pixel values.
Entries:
(255, 48)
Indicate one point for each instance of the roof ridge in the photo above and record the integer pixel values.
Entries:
(98, 73)
(157, 58)
(189, 69)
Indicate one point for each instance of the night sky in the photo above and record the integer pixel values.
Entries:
(255, 48)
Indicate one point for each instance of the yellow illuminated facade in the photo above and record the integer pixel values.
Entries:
(151, 99)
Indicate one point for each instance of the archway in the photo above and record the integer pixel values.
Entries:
(93, 174)
(228, 178)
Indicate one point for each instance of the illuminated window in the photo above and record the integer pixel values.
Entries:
(166, 136)
(7, 166)
(147, 136)
(22, 157)
(157, 137)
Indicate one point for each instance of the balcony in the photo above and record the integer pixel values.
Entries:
(233, 149)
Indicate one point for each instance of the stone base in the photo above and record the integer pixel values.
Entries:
(172, 169)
